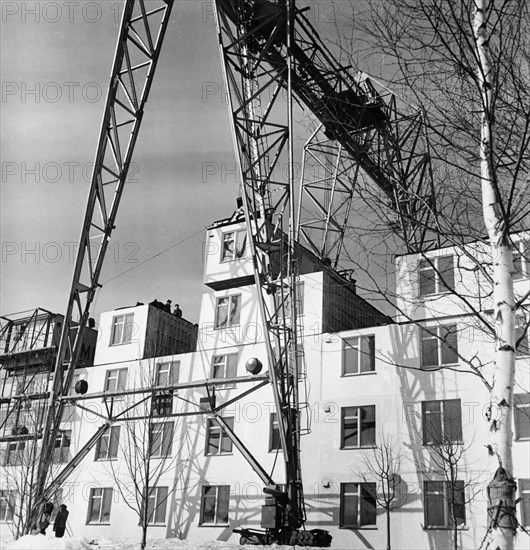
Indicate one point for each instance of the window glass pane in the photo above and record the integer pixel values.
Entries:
(160, 514)
(367, 353)
(429, 350)
(351, 356)
(208, 504)
(522, 415)
(114, 440)
(232, 366)
(432, 422)
(241, 244)
(234, 311)
(228, 247)
(459, 506)
(107, 499)
(222, 505)
(274, 439)
(524, 494)
(449, 344)
(452, 420)
(221, 314)
(367, 425)
(95, 505)
(447, 274)
(350, 427)
(427, 280)
(434, 504)
(214, 434)
(368, 504)
(349, 505)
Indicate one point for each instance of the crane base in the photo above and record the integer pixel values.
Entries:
(314, 538)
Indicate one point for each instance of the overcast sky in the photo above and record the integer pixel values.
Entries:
(55, 63)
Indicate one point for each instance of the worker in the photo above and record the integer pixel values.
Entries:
(168, 306)
(59, 525)
(44, 518)
(177, 312)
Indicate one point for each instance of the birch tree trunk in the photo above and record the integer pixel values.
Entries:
(501, 491)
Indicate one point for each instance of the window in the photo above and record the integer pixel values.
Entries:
(122, 329)
(99, 505)
(162, 404)
(107, 447)
(234, 245)
(442, 422)
(524, 493)
(521, 404)
(62, 446)
(274, 433)
(156, 505)
(7, 505)
(521, 336)
(167, 374)
(225, 366)
(439, 346)
(217, 442)
(358, 355)
(357, 504)
(437, 275)
(115, 379)
(521, 269)
(161, 439)
(15, 453)
(444, 504)
(357, 427)
(227, 311)
(214, 504)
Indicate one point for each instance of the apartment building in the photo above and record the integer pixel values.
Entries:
(409, 384)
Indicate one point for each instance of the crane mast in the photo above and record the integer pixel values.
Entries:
(138, 48)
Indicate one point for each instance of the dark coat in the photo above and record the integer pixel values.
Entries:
(60, 519)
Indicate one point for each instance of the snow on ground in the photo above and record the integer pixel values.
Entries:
(49, 542)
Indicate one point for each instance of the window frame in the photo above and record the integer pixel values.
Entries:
(113, 443)
(359, 491)
(7, 505)
(443, 411)
(121, 329)
(348, 345)
(217, 521)
(238, 233)
(17, 449)
(155, 503)
(520, 253)
(165, 446)
(121, 381)
(524, 504)
(438, 275)
(229, 362)
(228, 321)
(521, 333)
(212, 426)
(63, 442)
(357, 417)
(172, 371)
(521, 416)
(446, 503)
(104, 498)
(441, 343)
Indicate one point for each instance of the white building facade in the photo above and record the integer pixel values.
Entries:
(410, 382)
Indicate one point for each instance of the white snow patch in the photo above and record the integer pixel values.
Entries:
(49, 542)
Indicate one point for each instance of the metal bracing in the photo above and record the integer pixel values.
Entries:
(257, 47)
(142, 29)
(400, 166)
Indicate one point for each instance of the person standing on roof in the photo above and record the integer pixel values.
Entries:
(59, 525)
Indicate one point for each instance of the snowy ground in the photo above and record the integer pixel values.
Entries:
(49, 542)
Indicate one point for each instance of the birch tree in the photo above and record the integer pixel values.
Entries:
(465, 63)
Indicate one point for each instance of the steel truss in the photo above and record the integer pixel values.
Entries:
(138, 48)
(256, 44)
(332, 174)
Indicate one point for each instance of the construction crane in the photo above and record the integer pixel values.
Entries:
(266, 47)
